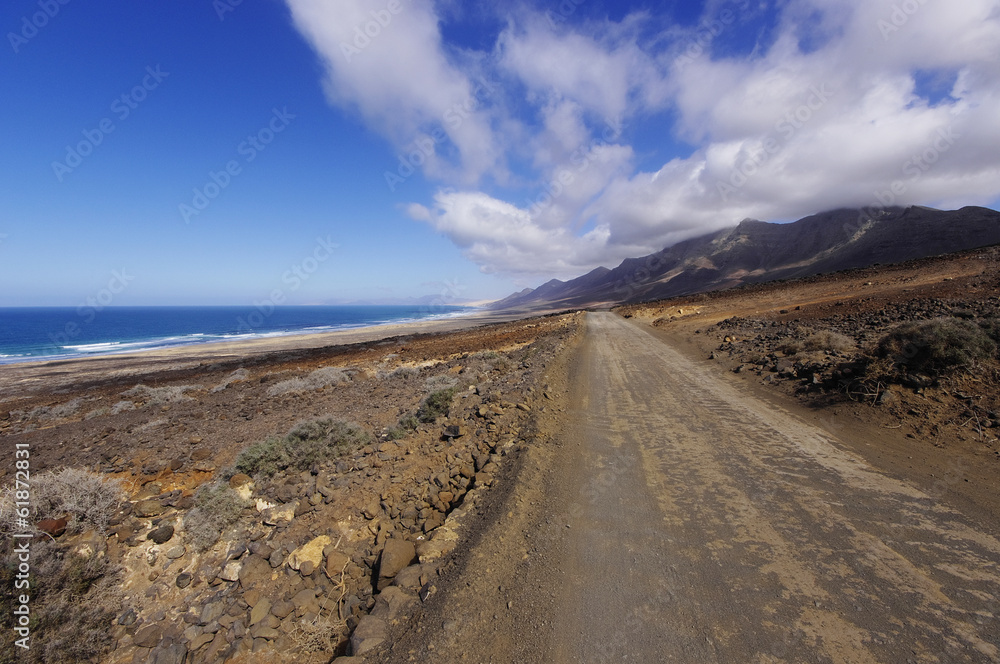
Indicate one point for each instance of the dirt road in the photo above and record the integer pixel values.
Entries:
(681, 519)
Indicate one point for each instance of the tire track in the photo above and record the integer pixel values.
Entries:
(741, 533)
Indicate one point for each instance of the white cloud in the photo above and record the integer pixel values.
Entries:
(834, 110)
(393, 69)
(500, 236)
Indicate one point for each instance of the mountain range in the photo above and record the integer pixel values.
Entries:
(756, 251)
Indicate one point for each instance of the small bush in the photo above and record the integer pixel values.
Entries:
(316, 380)
(73, 601)
(991, 328)
(264, 458)
(121, 407)
(823, 340)
(406, 425)
(56, 412)
(792, 347)
(158, 395)
(440, 382)
(828, 340)
(437, 404)
(933, 346)
(87, 497)
(404, 372)
(307, 443)
(217, 508)
(235, 377)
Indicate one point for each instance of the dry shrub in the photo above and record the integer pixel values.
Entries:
(217, 508)
(828, 340)
(57, 411)
(823, 340)
(121, 407)
(158, 395)
(74, 600)
(240, 374)
(88, 498)
(937, 345)
(306, 444)
(314, 381)
(321, 635)
(437, 404)
(440, 382)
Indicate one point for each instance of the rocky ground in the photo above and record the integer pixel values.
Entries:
(817, 339)
(298, 559)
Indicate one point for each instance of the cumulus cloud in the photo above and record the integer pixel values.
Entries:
(840, 103)
(392, 68)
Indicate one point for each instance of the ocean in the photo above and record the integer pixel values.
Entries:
(33, 333)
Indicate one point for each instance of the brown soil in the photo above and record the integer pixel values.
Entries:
(165, 426)
(941, 431)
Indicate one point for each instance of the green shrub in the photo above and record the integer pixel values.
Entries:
(264, 458)
(991, 327)
(306, 444)
(933, 346)
(217, 508)
(437, 404)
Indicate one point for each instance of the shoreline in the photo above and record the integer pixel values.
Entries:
(220, 339)
(32, 373)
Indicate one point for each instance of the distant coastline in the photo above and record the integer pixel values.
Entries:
(66, 333)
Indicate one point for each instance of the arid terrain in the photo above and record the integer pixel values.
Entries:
(206, 563)
(785, 472)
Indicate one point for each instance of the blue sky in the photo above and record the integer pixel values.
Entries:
(456, 149)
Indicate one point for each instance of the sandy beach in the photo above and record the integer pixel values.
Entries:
(20, 377)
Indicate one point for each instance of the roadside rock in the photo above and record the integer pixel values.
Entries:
(173, 654)
(147, 636)
(335, 562)
(279, 514)
(149, 507)
(161, 535)
(231, 572)
(282, 608)
(255, 570)
(396, 555)
(369, 633)
(54, 527)
(311, 552)
(261, 609)
(175, 552)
